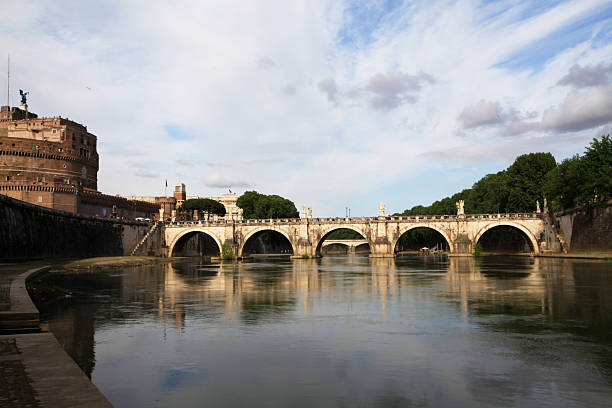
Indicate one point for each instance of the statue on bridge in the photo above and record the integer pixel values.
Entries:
(381, 209)
(460, 210)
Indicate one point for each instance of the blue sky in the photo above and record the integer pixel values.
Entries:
(332, 104)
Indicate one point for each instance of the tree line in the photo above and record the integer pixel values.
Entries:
(254, 205)
(259, 206)
(582, 180)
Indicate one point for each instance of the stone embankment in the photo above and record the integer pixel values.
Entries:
(31, 232)
(35, 371)
(587, 231)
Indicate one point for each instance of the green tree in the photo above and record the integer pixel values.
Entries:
(515, 189)
(565, 182)
(583, 180)
(525, 181)
(205, 205)
(247, 203)
(598, 167)
(489, 195)
(255, 205)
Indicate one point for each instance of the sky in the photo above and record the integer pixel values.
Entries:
(332, 104)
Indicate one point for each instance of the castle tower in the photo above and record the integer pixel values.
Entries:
(180, 194)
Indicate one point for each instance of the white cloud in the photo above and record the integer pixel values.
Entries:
(389, 91)
(330, 89)
(265, 62)
(580, 110)
(146, 174)
(481, 113)
(582, 77)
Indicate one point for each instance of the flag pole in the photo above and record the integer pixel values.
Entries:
(8, 81)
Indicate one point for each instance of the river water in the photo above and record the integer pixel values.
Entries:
(343, 332)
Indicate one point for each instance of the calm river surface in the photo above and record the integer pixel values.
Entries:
(343, 332)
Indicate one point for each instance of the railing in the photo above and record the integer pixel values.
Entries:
(356, 220)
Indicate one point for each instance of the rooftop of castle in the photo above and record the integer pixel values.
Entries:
(16, 114)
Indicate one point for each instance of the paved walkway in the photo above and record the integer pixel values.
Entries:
(35, 371)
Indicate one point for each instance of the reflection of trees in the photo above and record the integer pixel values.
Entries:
(541, 294)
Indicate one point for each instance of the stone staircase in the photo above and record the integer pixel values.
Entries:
(145, 238)
(558, 233)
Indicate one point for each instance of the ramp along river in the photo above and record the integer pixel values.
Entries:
(343, 332)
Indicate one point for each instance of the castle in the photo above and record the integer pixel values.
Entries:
(53, 162)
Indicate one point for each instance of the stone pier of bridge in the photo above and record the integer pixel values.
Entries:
(306, 235)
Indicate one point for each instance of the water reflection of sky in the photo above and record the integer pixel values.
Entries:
(346, 332)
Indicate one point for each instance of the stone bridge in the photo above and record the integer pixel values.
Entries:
(306, 235)
(351, 244)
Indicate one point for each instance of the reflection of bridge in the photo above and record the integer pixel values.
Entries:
(306, 235)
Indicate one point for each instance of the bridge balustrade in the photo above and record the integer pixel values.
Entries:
(337, 220)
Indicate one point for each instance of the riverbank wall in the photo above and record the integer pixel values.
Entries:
(29, 231)
(587, 230)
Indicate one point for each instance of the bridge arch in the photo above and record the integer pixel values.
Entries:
(422, 225)
(331, 229)
(361, 245)
(263, 229)
(192, 231)
(528, 234)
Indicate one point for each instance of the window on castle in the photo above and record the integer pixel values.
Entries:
(8, 178)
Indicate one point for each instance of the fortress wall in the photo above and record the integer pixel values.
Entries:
(51, 161)
(588, 231)
(28, 231)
